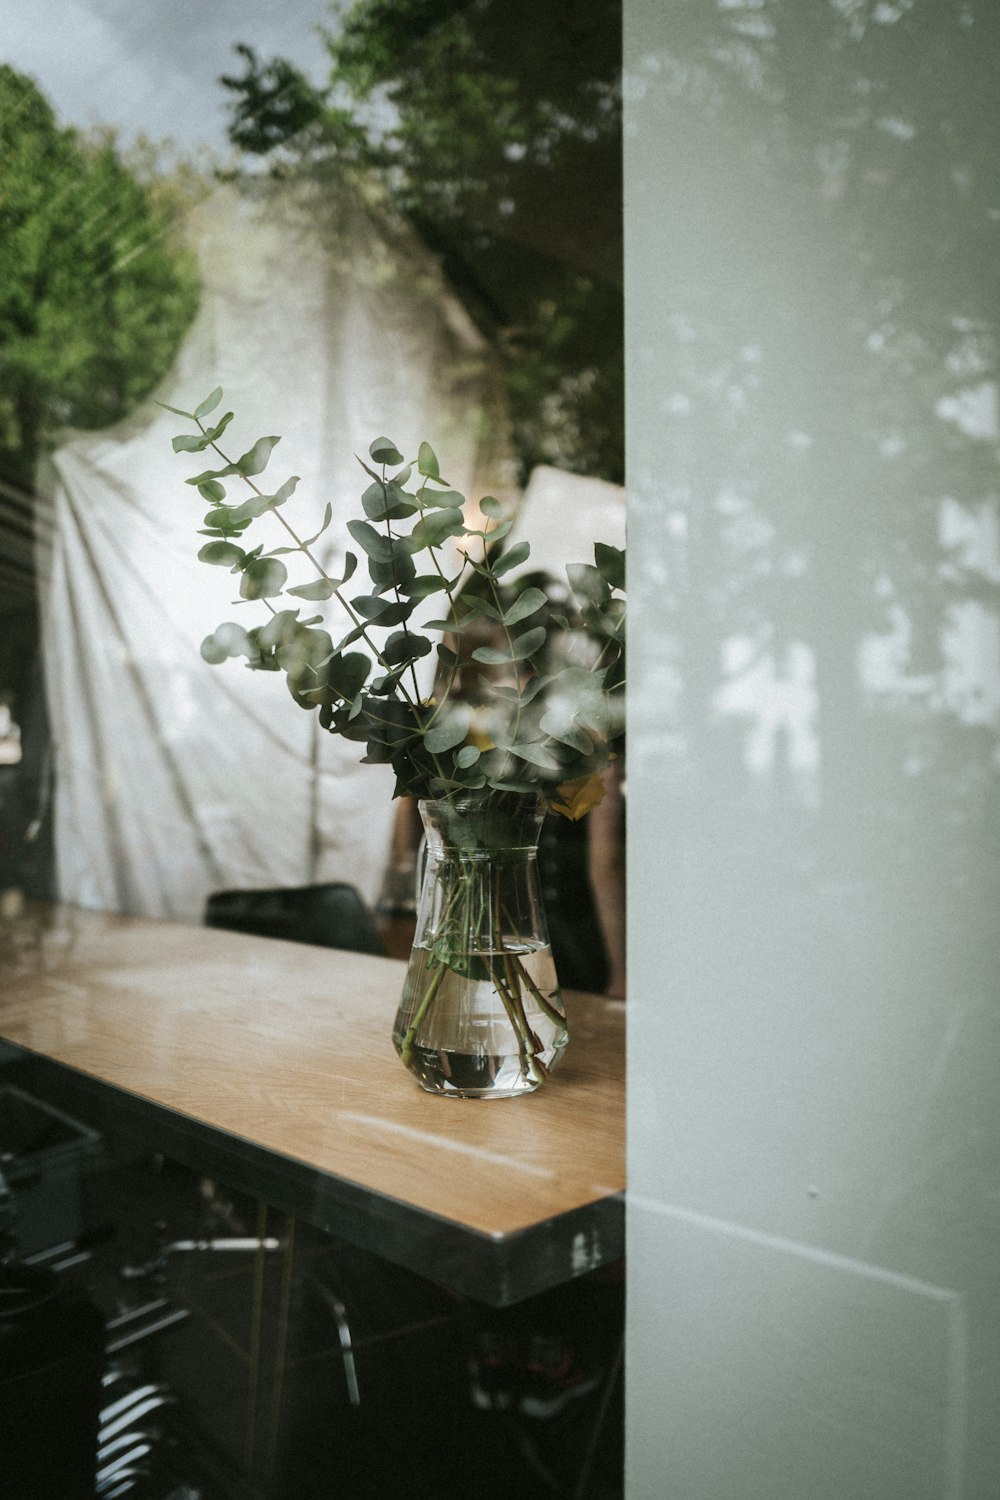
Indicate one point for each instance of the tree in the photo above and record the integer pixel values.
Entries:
(496, 128)
(95, 291)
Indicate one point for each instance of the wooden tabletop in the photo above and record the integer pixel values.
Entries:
(273, 1061)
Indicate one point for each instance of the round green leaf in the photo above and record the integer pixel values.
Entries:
(321, 588)
(610, 564)
(404, 646)
(221, 554)
(531, 641)
(449, 730)
(427, 462)
(263, 578)
(384, 451)
(434, 527)
(373, 542)
(527, 603)
(518, 554)
(212, 651)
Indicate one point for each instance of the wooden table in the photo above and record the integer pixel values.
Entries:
(269, 1065)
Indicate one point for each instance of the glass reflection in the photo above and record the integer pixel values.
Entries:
(812, 213)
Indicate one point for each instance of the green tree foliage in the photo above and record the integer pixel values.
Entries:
(496, 127)
(95, 292)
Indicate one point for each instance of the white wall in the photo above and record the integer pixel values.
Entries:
(812, 215)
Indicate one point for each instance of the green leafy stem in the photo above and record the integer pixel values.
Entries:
(549, 721)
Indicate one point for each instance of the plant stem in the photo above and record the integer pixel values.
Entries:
(406, 1050)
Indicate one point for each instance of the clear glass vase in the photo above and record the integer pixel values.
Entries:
(481, 1015)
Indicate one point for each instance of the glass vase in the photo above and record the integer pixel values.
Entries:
(481, 1015)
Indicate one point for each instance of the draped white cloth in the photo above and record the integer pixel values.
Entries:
(175, 778)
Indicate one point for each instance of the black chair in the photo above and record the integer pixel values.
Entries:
(332, 915)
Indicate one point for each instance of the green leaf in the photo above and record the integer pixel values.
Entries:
(387, 502)
(222, 554)
(449, 730)
(234, 640)
(499, 690)
(496, 534)
(501, 784)
(491, 507)
(176, 410)
(432, 529)
(255, 460)
(220, 518)
(527, 603)
(386, 685)
(467, 756)
(537, 685)
(446, 656)
(536, 755)
(426, 584)
(279, 628)
(377, 546)
(442, 499)
(256, 505)
(209, 404)
(263, 578)
(610, 564)
(490, 656)
(214, 433)
(512, 559)
(455, 627)
(327, 518)
(199, 479)
(562, 728)
(384, 451)
(321, 588)
(427, 463)
(352, 635)
(190, 442)
(403, 646)
(396, 573)
(213, 652)
(347, 674)
(531, 641)
(522, 647)
(212, 490)
(588, 584)
(382, 611)
(484, 607)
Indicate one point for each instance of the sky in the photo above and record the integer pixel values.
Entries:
(151, 66)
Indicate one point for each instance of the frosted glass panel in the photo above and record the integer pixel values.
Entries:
(812, 220)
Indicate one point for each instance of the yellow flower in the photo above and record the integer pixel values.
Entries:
(574, 799)
(478, 734)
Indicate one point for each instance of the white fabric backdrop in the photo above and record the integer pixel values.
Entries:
(174, 778)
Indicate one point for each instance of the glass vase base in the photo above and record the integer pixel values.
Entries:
(459, 1075)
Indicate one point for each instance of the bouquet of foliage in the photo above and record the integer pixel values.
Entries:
(540, 723)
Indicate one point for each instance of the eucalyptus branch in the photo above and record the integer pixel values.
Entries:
(355, 619)
(395, 587)
(547, 739)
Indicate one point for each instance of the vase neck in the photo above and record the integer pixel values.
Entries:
(503, 824)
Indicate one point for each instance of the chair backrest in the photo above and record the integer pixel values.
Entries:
(329, 916)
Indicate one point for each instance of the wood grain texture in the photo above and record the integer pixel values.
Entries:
(289, 1046)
